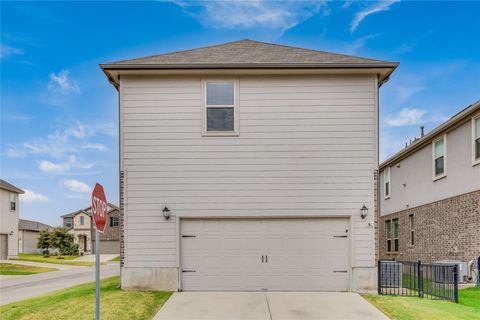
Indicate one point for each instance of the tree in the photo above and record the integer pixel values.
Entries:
(44, 239)
(63, 241)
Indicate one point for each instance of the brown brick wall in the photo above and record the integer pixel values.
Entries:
(439, 228)
(122, 218)
(110, 233)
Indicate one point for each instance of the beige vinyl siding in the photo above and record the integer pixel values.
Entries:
(307, 147)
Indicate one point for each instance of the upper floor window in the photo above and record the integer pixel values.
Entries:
(386, 182)
(439, 158)
(476, 140)
(221, 107)
(13, 201)
(68, 222)
(82, 220)
(114, 222)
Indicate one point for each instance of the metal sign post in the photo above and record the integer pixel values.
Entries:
(99, 213)
(97, 274)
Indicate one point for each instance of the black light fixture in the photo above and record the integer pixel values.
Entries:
(364, 212)
(166, 213)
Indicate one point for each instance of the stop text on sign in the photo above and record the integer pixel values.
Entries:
(99, 207)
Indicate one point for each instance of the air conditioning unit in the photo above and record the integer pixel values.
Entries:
(444, 275)
(391, 274)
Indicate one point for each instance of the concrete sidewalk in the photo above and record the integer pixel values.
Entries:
(268, 306)
(91, 258)
(24, 287)
(40, 264)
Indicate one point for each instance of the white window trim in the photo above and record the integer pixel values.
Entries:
(10, 202)
(385, 195)
(474, 161)
(445, 160)
(236, 120)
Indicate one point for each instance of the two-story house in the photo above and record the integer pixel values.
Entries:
(81, 225)
(248, 166)
(430, 194)
(9, 212)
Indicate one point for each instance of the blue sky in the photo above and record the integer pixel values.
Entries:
(59, 113)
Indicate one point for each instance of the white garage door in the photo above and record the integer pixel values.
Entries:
(265, 254)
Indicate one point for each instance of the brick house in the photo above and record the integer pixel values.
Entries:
(81, 225)
(430, 194)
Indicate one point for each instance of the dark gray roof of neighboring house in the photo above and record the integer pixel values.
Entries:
(32, 225)
(249, 53)
(453, 122)
(86, 211)
(10, 187)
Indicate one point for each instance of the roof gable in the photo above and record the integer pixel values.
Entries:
(248, 52)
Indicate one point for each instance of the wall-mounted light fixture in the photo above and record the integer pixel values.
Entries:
(364, 212)
(166, 213)
(11, 233)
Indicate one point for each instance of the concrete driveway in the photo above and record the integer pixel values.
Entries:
(268, 306)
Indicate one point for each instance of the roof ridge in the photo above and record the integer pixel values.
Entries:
(247, 40)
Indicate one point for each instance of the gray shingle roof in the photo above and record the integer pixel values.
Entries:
(247, 53)
(87, 210)
(32, 225)
(10, 187)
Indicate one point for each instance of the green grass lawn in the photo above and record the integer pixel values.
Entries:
(79, 303)
(410, 308)
(116, 259)
(17, 269)
(70, 260)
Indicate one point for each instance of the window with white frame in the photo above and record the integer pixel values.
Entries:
(13, 201)
(386, 182)
(388, 231)
(114, 222)
(82, 220)
(439, 157)
(68, 222)
(476, 139)
(221, 110)
(395, 235)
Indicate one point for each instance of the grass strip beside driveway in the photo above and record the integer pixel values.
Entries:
(411, 308)
(78, 302)
(68, 260)
(19, 270)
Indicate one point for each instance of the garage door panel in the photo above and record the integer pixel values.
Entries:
(302, 254)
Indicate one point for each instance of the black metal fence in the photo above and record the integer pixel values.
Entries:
(416, 279)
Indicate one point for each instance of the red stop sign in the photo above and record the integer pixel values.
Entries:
(99, 207)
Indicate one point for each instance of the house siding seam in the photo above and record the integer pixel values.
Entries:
(122, 218)
(439, 227)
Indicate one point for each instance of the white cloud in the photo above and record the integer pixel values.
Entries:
(30, 196)
(6, 51)
(62, 142)
(238, 14)
(61, 82)
(77, 186)
(377, 7)
(48, 166)
(406, 117)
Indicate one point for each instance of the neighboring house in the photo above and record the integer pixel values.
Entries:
(9, 210)
(430, 195)
(81, 225)
(28, 232)
(263, 154)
